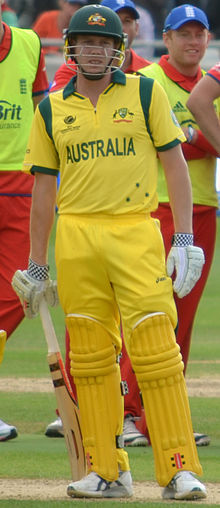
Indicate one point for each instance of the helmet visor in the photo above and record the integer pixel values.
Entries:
(92, 57)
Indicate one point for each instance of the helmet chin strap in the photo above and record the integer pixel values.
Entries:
(95, 76)
(91, 77)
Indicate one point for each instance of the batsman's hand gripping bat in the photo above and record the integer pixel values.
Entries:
(68, 409)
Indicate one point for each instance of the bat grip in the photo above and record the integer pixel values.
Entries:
(47, 324)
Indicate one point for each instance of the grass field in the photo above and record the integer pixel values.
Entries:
(34, 457)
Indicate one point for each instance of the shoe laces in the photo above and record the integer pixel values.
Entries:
(187, 475)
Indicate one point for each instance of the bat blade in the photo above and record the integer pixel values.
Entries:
(66, 404)
(69, 414)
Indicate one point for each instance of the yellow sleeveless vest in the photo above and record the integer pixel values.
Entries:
(18, 71)
(202, 171)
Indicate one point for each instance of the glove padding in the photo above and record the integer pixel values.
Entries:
(188, 263)
(31, 291)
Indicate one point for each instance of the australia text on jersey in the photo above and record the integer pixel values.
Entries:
(100, 148)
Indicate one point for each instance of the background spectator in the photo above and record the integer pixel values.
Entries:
(9, 15)
(213, 13)
(50, 24)
(158, 10)
(145, 32)
(187, 38)
(25, 83)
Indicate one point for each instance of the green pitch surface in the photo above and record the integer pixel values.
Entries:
(32, 457)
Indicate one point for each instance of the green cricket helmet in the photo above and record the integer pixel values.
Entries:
(95, 20)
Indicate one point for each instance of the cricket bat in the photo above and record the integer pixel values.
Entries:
(66, 405)
(3, 336)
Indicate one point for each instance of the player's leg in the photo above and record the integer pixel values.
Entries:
(86, 294)
(96, 373)
(204, 219)
(156, 359)
(14, 252)
(97, 376)
(159, 369)
(15, 248)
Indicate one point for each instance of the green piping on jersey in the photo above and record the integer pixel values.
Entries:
(168, 146)
(45, 171)
(46, 112)
(146, 87)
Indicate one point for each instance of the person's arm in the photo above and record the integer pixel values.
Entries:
(185, 259)
(179, 188)
(33, 284)
(41, 159)
(42, 216)
(200, 103)
(196, 141)
(192, 152)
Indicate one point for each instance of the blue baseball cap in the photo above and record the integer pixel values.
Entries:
(183, 14)
(117, 5)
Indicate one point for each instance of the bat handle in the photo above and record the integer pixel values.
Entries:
(50, 335)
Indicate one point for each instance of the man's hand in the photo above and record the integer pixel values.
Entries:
(187, 261)
(31, 290)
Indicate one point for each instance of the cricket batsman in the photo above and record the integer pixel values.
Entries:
(103, 133)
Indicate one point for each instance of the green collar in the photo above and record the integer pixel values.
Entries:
(117, 77)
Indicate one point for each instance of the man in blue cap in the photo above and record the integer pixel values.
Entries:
(186, 36)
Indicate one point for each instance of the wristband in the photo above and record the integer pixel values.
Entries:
(182, 239)
(190, 135)
(38, 272)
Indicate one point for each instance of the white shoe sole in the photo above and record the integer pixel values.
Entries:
(111, 493)
(196, 494)
(138, 441)
(117, 489)
(191, 494)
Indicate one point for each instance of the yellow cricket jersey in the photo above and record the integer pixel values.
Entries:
(107, 156)
(202, 171)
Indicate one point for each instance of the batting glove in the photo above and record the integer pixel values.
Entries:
(32, 285)
(187, 261)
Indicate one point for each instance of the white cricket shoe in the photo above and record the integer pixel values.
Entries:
(7, 431)
(184, 486)
(201, 439)
(95, 486)
(131, 435)
(55, 429)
